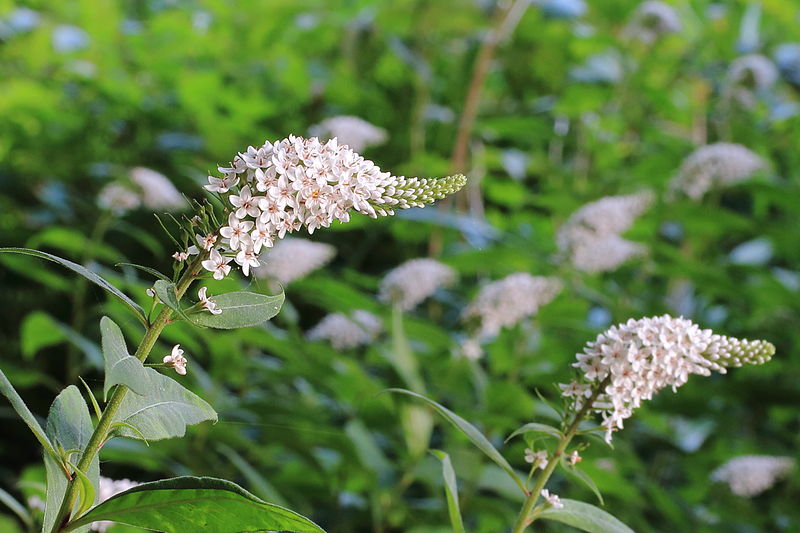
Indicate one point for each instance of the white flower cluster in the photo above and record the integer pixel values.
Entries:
(352, 131)
(413, 281)
(176, 360)
(292, 259)
(504, 303)
(748, 75)
(108, 488)
(715, 165)
(295, 182)
(591, 237)
(750, 475)
(636, 359)
(651, 20)
(345, 333)
(150, 188)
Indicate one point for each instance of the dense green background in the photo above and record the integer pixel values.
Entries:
(180, 86)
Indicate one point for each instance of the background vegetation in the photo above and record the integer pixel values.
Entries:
(572, 109)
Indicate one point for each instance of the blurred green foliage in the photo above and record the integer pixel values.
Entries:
(90, 88)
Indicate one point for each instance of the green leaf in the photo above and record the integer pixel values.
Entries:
(239, 310)
(86, 273)
(188, 503)
(533, 427)
(38, 331)
(472, 433)
(160, 407)
(451, 490)
(166, 290)
(87, 491)
(69, 427)
(17, 508)
(152, 271)
(25, 414)
(585, 517)
(402, 357)
(575, 473)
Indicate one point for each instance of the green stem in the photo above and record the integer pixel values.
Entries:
(524, 519)
(100, 433)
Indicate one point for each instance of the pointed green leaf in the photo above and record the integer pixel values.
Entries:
(152, 271)
(69, 427)
(451, 491)
(533, 427)
(585, 517)
(196, 504)
(576, 473)
(166, 291)
(86, 273)
(25, 414)
(87, 492)
(239, 310)
(472, 433)
(160, 407)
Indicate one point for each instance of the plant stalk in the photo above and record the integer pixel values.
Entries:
(100, 433)
(524, 518)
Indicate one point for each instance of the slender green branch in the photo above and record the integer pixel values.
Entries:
(524, 518)
(101, 431)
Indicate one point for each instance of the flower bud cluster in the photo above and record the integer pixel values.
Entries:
(750, 475)
(345, 333)
(504, 303)
(591, 237)
(413, 281)
(281, 187)
(715, 165)
(636, 359)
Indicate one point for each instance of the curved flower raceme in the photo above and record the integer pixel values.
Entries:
(281, 187)
(344, 332)
(634, 360)
(715, 165)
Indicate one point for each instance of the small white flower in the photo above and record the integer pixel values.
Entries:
(262, 235)
(551, 500)
(236, 232)
(537, 459)
(247, 258)
(150, 292)
(218, 264)
(176, 360)
(574, 458)
(180, 256)
(222, 185)
(246, 203)
(207, 242)
(207, 303)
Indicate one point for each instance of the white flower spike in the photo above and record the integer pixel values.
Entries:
(176, 360)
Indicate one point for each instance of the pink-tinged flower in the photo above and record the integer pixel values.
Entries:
(246, 203)
(247, 258)
(537, 459)
(222, 185)
(551, 500)
(218, 264)
(236, 232)
(176, 360)
(207, 303)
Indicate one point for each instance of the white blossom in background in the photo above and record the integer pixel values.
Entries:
(413, 281)
(715, 165)
(651, 20)
(471, 349)
(551, 500)
(504, 303)
(108, 488)
(750, 475)
(748, 75)
(636, 359)
(118, 199)
(293, 258)
(158, 192)
(590, 239)
(280, 187)
(345, 333)
(176, 360)
(352, 131)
